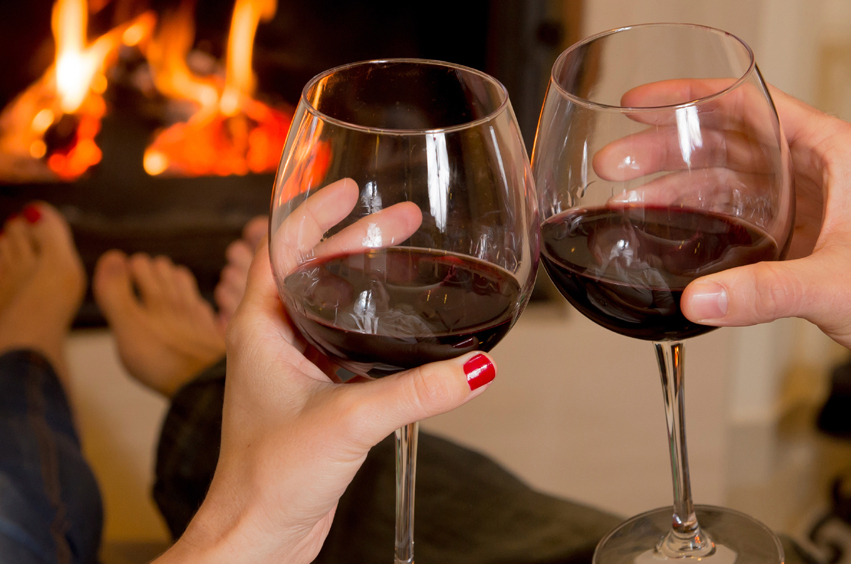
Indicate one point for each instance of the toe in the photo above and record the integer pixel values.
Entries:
(240, 254)
(187, 290)
(227, 299)
(255, 230)
(186, 284)
(113, 287)
(53, 242)
(167, 275)
(230, 289)
(19, 246)
(49, 230)
(143, 272)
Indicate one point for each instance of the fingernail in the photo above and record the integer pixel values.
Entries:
(708, 301)
(31, 214)
(480, 371)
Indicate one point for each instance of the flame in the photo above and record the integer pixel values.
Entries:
(219, 144)
(54, 122)
(231, 132)
(48, 132)
(239, 78)
(167, 55)
(74, 69)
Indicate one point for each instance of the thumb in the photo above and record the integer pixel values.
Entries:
(758, 293)
(420, 393)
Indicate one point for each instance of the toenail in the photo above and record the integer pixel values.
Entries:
(31, 214)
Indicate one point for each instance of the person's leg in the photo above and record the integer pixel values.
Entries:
(50, 506)
(169, 339)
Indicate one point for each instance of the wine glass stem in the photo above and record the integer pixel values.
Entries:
(685, 538)
(406, 475)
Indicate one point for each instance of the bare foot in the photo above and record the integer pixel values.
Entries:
(168, 334)
(42, 281)
(231, 286)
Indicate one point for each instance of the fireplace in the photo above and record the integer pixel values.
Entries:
(129, 200)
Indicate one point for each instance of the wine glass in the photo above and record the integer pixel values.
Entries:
(404, 225)
(659, 158)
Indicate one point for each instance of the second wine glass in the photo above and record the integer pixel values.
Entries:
(659, 159)
(404, 225)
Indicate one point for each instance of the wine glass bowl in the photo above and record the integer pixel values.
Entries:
(404, 226)
(434, 250)
(659, 159)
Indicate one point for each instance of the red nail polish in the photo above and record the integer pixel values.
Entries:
(31, 214)
(479, 370)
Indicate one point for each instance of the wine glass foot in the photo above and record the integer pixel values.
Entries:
(735, 539)
(717, 554)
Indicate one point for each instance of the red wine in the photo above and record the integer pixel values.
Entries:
(387, 310)
(626, 267)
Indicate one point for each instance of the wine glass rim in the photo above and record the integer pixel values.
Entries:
(640, 109)
(503, 104)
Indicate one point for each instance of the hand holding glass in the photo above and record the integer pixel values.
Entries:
(659, 158)
(405, 191)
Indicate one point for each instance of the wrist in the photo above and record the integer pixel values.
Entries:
(182, 552)
(225, 535)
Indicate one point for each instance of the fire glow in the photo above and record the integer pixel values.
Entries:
(231, 132)
(48, 132)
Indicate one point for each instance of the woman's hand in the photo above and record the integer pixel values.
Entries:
(291, 439)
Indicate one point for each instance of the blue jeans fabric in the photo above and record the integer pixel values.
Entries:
(50, 505)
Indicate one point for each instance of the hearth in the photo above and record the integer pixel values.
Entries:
(117, 203)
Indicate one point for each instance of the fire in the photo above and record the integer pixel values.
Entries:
(239, 80)
(74, 69)
(48, 132)
(167, 54)
(231, 132)
(54, 122)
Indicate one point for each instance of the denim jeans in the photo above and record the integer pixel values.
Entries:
(50, 505)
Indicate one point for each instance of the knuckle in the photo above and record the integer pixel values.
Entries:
(431, 390)
(352, 414)
(777, 293)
